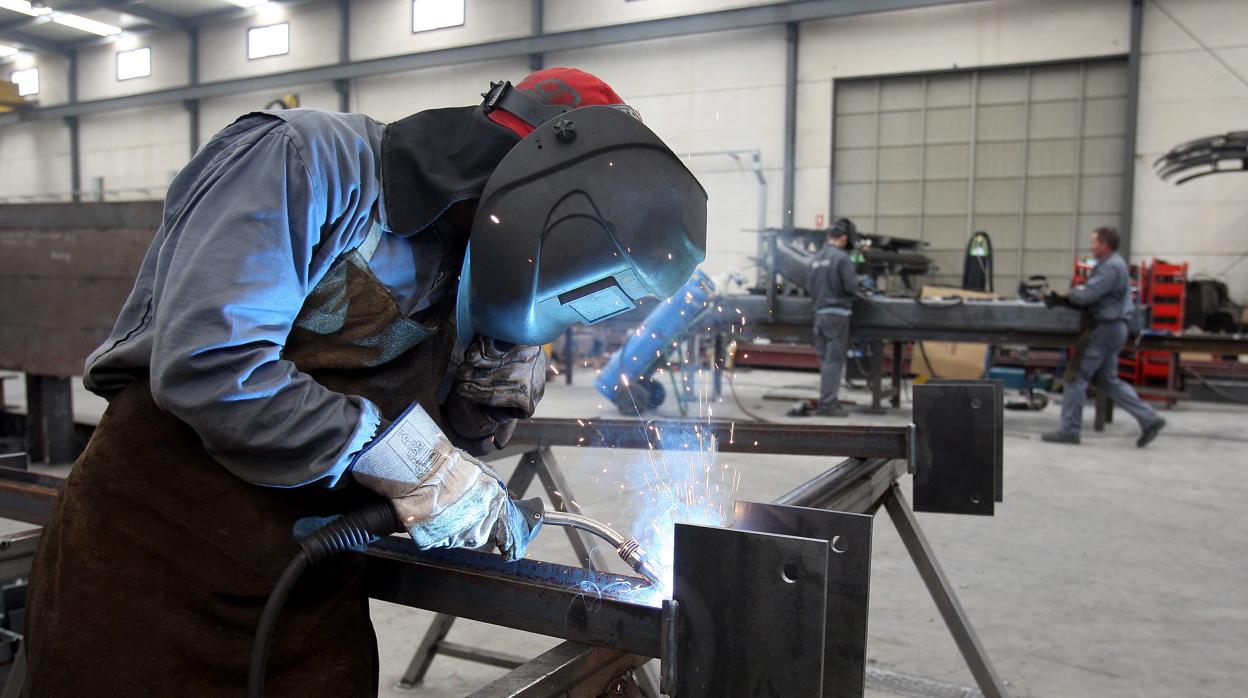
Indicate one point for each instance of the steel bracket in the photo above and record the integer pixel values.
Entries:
(791, 579)
(958, 468)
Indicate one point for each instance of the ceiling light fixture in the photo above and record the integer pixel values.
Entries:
(25, 8)
(87, 25)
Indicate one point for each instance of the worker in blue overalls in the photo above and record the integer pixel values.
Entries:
(1107, 299)
(832, 284)
(287, 353)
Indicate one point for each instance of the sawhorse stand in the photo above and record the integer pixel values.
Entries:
(538, 463)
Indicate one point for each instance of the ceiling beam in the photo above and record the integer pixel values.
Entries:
(135, 8)
(702, 23)
(22, 40)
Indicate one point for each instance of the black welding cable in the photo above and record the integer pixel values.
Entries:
(268, 622)
(350, 532)
(732, 388)
(1214, 389)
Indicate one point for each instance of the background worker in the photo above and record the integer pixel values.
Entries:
(1107, 298)
(287, 353)
(832, 283)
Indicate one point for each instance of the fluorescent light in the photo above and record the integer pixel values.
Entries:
(6, 51)
(436, 14)
(247, 3)
(25, 8)
(83, 24)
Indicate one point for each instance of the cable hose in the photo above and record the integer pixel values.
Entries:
(1214, 389)
(350, 532)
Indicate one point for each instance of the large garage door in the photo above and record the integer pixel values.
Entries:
(1032, 155)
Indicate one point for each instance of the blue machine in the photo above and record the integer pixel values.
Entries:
(627, 380)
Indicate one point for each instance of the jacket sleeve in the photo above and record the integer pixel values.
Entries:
(249, 251)
(849, 278)
(1102, 281)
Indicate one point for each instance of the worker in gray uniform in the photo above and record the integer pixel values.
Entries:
(1107, 299)
(335, 310)
(832, 284)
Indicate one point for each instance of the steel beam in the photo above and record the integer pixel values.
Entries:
(568, 669)
(732, 436)
(1129, 137)
(792, 35)
(670, 27)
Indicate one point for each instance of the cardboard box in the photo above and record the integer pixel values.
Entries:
(962, 360)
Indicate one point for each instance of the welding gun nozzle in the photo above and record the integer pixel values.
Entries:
(628, 549)
(630, 552)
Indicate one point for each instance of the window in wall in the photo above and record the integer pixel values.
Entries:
(273, 40)
(134, 64)
(436, 14)
(27, 81)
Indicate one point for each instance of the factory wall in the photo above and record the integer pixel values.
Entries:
(703, 93)
(1187, 93)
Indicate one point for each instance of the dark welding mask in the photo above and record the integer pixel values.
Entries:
(585, 216)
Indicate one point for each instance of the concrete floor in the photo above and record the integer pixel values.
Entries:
(1108, 571)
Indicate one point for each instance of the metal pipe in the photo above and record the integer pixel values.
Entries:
(627, 548)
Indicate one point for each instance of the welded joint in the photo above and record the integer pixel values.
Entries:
(668, 642)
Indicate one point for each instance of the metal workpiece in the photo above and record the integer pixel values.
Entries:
(731, 436)
(797, 579)
(958, 466)
(627, 548)
(568, 669)
(541, 597)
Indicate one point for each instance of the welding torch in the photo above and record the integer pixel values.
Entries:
(627, 548)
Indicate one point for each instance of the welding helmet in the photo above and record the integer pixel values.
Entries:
(844, 226)
(589, 213)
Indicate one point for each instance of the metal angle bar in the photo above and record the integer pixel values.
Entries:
(503, 660)
(733, 437)
(567, 669)
(942, 593)
(16, 36)
(539, 597)
(702, 23)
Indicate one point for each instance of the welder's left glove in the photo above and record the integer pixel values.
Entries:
(444, 497)
(495, 385)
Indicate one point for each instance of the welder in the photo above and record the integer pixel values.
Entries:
(1106, 297)
(832, 283)
(335, 309)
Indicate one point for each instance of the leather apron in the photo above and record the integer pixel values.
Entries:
(156, 563)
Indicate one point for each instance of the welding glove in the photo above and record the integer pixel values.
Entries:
(444, 497)
(495, 385)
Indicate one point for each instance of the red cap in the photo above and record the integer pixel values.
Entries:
(558, 86)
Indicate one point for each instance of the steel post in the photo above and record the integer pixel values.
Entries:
(50, 419)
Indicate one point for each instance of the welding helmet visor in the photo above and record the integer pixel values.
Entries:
(585, 216)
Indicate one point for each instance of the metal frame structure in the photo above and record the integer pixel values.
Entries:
(611, 635)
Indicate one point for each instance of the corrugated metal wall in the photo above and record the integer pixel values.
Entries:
(1032, 154)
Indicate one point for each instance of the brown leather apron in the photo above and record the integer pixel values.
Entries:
(153, 570)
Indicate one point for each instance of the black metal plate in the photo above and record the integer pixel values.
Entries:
(849, 583)
(739, 592)
(959, 430)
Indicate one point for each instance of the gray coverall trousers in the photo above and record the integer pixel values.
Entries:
(1100, 361)
(831, 345)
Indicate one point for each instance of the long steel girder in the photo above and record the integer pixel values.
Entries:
(708, 22)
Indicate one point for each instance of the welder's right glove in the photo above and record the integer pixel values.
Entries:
(444, 497)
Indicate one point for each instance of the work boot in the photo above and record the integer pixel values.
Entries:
(802, 409)
(1150, 432)
(837, 411)
(1057, 437)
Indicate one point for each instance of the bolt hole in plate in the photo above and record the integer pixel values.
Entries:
(839, 544)
(975, 403)
(789, 573)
